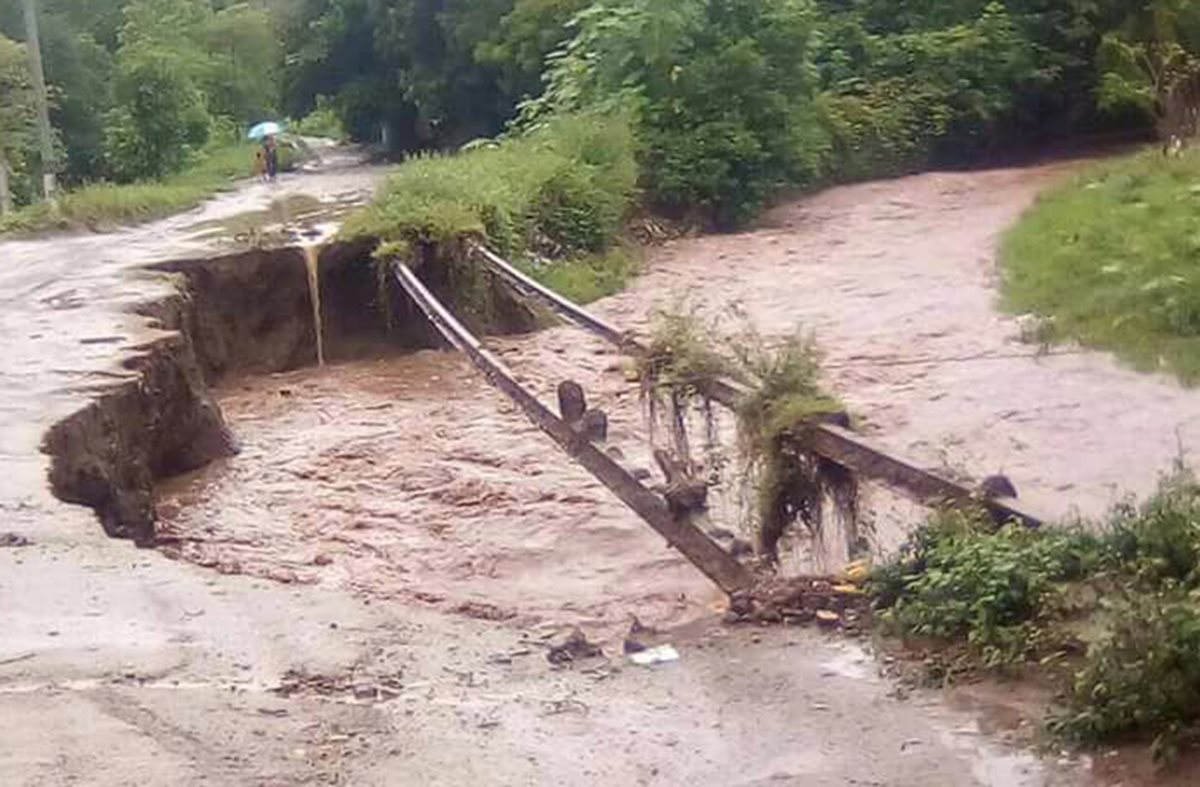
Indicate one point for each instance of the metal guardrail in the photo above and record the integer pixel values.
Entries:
(828, 440)
(717, 564)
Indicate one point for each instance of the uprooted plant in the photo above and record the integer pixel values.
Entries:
(680, 360)
(783, 398)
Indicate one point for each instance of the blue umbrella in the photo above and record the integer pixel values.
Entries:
(269, 128)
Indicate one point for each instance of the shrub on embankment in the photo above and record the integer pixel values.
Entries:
(1111, 612)
(1109, 260)
(555, 199)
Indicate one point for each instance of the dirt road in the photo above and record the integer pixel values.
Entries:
(394, 546)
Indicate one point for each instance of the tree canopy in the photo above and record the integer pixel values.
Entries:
(729, 98)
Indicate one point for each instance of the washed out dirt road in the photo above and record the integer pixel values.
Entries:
(395, 545)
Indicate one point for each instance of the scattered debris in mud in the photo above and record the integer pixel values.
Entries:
(380, 688)
(484, 611)
(13, 541)
(803, 600)
(575, 647)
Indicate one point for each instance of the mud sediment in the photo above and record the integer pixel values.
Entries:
(232, 315)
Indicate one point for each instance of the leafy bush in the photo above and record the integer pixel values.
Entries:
(323, 122)
(721, 94)
(555, 194)
(895, 101)
(1159, 542)
(503, 192)
(960, 579)
(161, 121)
(1131, 593)
(577, 214)
(888, 129)
(1143, 677)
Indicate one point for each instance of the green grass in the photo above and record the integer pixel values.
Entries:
(589, 278)
(555, 201)
(104, 205)
(1112, 260)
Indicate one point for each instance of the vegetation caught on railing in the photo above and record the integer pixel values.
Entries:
(686, 353)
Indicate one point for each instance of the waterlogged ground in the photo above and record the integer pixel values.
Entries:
(396, 545)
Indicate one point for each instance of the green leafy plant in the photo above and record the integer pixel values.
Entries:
(961, 579)
(1142, 678)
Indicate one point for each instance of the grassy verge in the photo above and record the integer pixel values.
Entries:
(106, 205)
(1110, 260)
(1110, 612)
(554, 201)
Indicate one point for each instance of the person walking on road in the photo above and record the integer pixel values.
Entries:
(268, 154)
(271, 155)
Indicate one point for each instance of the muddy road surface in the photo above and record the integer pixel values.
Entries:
(366, 593)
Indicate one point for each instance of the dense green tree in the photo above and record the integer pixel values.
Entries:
(18, 116)
(80, 72)
(526, 36)
(722, 91)
(407, 69)
(241, 80)
(1151, 63)
(159, 120)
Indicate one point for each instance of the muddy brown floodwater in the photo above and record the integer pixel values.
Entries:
(365, 593)
(408, 477)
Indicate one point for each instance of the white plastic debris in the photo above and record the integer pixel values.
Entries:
(652, 656)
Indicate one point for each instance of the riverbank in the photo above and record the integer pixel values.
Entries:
(1107, 259)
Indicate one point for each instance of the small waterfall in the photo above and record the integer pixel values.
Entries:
(312, 262)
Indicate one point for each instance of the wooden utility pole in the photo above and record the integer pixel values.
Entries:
(5, 191)
(45, 133)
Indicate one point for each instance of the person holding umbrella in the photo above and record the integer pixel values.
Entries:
(268, 155)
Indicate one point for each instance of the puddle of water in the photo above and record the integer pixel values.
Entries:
(993, 765)
(280, 213)
(851, 662)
